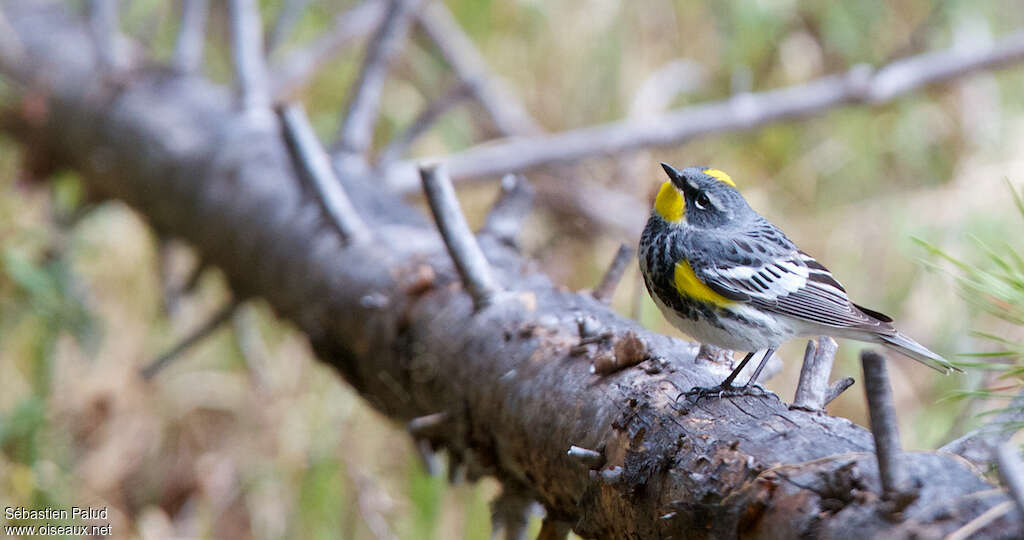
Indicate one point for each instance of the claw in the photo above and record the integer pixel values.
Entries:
(697, 393)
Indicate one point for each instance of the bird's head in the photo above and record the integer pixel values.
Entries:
(700, 197)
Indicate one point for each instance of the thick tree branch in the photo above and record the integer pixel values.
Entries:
(861, 84)
(387, 317)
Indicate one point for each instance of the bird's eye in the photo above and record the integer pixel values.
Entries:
(702, 201)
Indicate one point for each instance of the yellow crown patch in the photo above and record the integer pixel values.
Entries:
(720, 175)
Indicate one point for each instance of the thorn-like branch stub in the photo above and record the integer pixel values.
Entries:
(838, 388)
(883, 421)
(311, 158)
(465, 252)
(211, 325)
(812, 389)
(188, 48)
(423, 425)
(1011, 472)
(606, 289)
(356, 130)
(592, 459)
(247, 51)
(506, 217)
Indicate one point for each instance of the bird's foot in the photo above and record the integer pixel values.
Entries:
(697, 393)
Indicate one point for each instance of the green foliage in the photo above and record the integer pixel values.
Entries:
(994, 286)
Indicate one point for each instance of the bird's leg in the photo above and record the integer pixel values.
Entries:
(726, 388)
(727, 383)
(757, 372)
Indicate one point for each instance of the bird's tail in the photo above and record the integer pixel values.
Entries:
(910, 348)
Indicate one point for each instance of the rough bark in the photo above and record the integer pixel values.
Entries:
(391, 316)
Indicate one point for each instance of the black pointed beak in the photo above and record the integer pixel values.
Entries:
(673, 174)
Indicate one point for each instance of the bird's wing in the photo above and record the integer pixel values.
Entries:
(788, 282)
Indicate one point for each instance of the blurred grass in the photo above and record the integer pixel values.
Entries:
(271, 444)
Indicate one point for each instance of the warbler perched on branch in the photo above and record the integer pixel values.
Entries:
(726, 276)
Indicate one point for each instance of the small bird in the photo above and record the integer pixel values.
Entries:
(726, 276)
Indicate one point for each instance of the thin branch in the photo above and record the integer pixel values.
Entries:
(103, 22)
(812, 389)
(883, 422)
(427, 456)
(311, 158)
(514, 202)
(399, 146)
(604, 290)
(1011, 472)
(356, 131)
(294, 72)
(211, 325)
(188, 49)
(977, 524)
(978, 445)
(287, 17)
(247, 51)
(738, 113)
(465, 252)
(508, 114)
(421, 426)
(837, 388)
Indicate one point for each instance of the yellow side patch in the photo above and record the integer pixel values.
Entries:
(669, 204)
(725, 178)
(689, 285)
